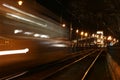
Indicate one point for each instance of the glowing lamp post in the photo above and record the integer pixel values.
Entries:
(63, 25)
(77, 31)
(93, 35)
(86, 34)
(109, 38)
(20, 3)
(82, 33)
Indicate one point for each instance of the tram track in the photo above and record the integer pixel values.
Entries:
(85, 64)
(45, 67)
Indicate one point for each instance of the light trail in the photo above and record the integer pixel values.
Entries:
(20, 51)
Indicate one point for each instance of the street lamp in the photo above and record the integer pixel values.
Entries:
(77, 31)
(71, 29)
(117, 40)
(93, 35)
(109, 38)
(63, 25)
(20, 3)
(86, 34)
(82, 33)
(114, 39)
(97, 36)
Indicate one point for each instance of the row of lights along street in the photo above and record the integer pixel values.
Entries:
(99, 39)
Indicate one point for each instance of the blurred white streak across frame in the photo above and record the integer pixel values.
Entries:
(28, 14)
(19, 51)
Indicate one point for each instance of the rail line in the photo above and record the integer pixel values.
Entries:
(87, 61)
(84, 72)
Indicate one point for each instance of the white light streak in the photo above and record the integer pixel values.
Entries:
(28, 14)
(28, 33)
(20, 51)
(36, 35)
(100, 32)
(25, 19)
(44, 36)
(59, 45)
(17, 31)
(41, 35)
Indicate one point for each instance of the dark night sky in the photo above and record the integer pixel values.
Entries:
(53, 5)
(64, 8)
(87, 15)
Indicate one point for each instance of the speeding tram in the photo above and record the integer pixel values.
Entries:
(27, 37)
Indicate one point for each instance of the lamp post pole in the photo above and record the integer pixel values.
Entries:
(70, 36)
(77, 31)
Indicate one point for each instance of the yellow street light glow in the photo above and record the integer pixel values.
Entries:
(109, 38)
(117, 40)
(114, 39)
(20, 3)
(86, 34)
(77, 31)
(101, 37)
(97, 36)
(93, 35)
(20, 51)
(82, 33)
(63, 25)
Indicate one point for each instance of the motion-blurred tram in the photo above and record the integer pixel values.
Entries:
(29, 37)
